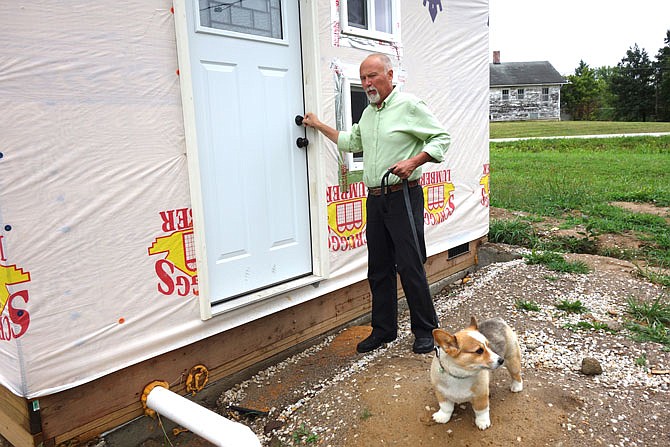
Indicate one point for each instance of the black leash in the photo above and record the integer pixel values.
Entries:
(408, 206)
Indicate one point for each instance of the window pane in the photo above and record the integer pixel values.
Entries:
(357, 13)
(257, 17)
(359, 101)
(383, 16)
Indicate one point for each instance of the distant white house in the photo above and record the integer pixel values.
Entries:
(522, 91)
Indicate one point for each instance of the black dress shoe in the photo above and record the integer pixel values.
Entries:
(423, 345)
(372, 342)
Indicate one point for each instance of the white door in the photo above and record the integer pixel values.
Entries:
(247, 90)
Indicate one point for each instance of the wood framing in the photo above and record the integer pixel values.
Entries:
(18, 422)
(86, 411)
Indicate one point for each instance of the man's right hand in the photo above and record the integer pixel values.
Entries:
(311, 120)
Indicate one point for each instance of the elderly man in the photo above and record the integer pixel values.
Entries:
(396, 132)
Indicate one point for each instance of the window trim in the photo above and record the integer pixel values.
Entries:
(393, 36)
(521, 93)
(544, 96)
(200, 28)
(352, 164)
(504, 96)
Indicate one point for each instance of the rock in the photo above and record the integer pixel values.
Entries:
(613, 325)
(591, 366)
(490, 253)
(272, 425)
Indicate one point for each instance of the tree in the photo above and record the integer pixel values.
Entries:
(580, 97)
(632, 84)
(606, 101)
(662, 73)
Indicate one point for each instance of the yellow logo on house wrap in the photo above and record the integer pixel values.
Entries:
(347, 217)
(438, 196)
(10, 275)
(485, 182)
(14, 317)
(178, 247)
(176, 270)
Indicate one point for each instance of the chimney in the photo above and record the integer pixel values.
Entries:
(496, 57)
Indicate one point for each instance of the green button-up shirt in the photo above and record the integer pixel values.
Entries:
(400, 129)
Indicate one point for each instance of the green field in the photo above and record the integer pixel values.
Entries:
(520, 129)
(576, 179)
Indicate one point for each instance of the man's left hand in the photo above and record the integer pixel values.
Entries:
(403, 169)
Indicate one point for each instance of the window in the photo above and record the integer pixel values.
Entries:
(545, 94)
(505, 94)
(369, 18)
(520, 93)
(359, 101)
(254, 17)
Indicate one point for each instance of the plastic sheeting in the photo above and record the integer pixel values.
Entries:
(95, 271)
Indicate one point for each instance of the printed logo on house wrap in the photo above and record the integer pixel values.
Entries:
(176, 270)
(14, 316)
(438, 196)
(346, 217)
(484, 181)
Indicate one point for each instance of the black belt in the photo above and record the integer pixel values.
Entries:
(385, 189)
(391, 188)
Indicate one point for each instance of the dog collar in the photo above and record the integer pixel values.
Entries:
(443, 369)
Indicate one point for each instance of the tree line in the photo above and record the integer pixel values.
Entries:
(637, 89)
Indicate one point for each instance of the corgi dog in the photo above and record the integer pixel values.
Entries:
(462, 364)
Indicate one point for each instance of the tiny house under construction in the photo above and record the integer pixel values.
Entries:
(157, 211)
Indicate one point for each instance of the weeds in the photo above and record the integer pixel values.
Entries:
(641, 361)
(588, 243)
(513, 232)
(658, 311)
(527, 305)
(655, 275)
(588, 326)
(556, 262)
(572, 307)
(655, 332)
(302, 435)
(650, 321)
(366, 414)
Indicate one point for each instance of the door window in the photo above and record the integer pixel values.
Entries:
(256, 17)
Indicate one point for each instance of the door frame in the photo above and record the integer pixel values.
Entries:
(316, 178)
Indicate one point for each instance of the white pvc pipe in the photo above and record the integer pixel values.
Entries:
(201, 421)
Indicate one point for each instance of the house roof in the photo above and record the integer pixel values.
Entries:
(524, 73)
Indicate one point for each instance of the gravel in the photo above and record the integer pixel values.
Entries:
(625, 405)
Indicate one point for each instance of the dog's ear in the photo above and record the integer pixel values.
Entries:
(446, 341)
(473, 323)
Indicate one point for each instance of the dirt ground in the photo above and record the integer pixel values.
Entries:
(342, 398)
(329, 395)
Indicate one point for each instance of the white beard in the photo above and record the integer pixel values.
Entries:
(373, 97)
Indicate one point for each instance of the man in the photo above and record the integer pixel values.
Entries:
(396, 132)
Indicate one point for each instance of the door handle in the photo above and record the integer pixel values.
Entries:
(298, 120)
(301, 142)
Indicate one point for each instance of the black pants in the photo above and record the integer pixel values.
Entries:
(391, 251)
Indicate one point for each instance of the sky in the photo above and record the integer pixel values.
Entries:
(563, 32)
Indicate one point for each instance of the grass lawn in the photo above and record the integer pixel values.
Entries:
(521, 129)
(576, 179)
